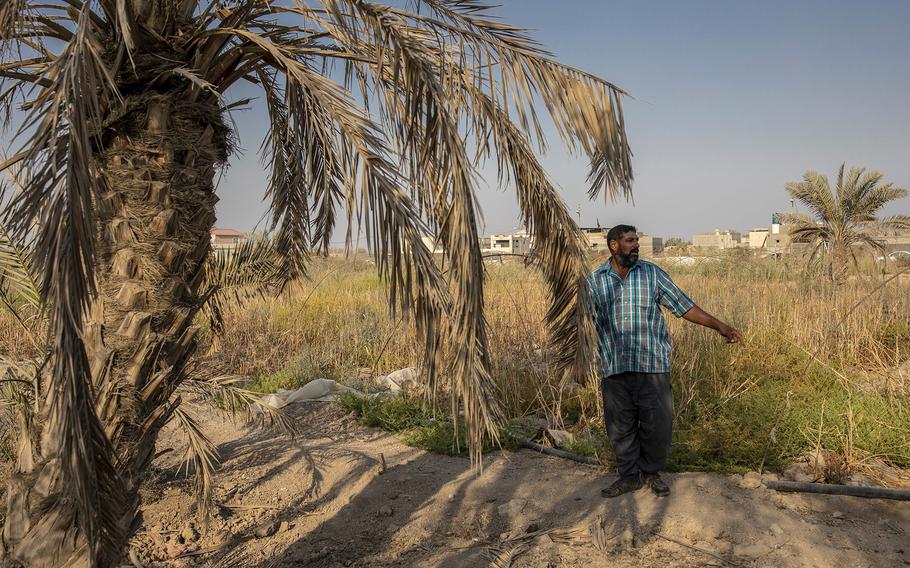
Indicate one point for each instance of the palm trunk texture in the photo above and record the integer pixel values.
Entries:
(158, 166)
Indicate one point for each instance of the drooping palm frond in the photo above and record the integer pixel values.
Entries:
(63, 121)
(200, 454)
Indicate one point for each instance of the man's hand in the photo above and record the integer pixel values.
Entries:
(701, 317)
(732, 335)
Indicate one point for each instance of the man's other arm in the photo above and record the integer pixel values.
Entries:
(682, 306)
(701, 317)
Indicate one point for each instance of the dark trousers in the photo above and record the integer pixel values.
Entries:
(638, 414)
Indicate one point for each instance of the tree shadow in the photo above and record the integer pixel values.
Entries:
(432, 510)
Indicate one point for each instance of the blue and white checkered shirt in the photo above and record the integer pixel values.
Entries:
(631, 330)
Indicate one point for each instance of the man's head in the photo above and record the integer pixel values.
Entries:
(623, 243)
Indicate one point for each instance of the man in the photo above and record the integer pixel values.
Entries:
(634, 345)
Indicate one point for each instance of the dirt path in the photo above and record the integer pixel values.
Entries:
(327, 504)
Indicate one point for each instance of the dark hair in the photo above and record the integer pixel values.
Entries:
(616, 233)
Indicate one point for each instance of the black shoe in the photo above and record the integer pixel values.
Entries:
(657, 485)
(622, 485)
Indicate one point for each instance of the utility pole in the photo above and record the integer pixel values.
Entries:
(578, 213)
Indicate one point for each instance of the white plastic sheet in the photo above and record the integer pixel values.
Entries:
(329, 390)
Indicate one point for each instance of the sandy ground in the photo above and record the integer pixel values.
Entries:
(323, 500)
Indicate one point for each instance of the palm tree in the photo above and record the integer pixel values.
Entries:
(232, 277)
(378, 110)
(845, 218)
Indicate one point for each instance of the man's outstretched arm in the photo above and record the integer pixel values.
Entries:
(701, 317)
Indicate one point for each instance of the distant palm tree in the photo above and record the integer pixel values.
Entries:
(124, 123)
(844, 218)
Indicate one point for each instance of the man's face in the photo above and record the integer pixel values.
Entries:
(625, 250)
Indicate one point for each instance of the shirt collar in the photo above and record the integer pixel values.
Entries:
(612, 271)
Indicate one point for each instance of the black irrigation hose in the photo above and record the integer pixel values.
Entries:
(561, 453)
(831, 489)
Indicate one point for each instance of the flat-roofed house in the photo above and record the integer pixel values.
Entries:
(516, 243)
(720, 239)
(226, 238)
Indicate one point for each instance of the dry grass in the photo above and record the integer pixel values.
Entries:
(842, 354)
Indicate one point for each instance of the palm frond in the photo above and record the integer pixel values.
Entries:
(234, 276)
(60, 189)
(815, 193)
(895, 222)
(873, 198)
(427, 129)
(202, 455)
(12, 16)
(559, 245)
(586, 109)
(227, 393)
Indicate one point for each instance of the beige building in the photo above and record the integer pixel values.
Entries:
(597, 241)
(649, 246)
(226, 238)
(596, 237)
(757, 238)
(778, 240)
(516, 243)
(897, 245)
(720, 239)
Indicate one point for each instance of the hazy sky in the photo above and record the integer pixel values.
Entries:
(732, 100)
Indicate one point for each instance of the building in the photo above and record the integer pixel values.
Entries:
(226, 238)
(516, 243)
(649, 246)
(778, 240)
(720, 239)
(596, 237)
(757, 238)
(597, 241)
(896, 243)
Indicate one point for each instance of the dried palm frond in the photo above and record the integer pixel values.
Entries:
(202, 454)
(433, 81)
(504, 555)
(227, 393)
(60, 190)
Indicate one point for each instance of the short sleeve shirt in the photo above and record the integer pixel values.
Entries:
(632, 333)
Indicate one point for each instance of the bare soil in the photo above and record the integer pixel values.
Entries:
(324, 500)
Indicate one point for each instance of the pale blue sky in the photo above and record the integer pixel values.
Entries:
(732, 100)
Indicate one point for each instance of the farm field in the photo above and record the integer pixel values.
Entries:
(842, 352)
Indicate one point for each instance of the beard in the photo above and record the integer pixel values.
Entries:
(626, 260)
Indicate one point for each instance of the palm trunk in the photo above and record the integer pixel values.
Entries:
(839, 264)
(155, 219)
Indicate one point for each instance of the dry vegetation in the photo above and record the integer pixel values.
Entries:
(839, 354)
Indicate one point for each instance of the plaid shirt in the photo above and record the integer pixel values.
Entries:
(631, 330)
